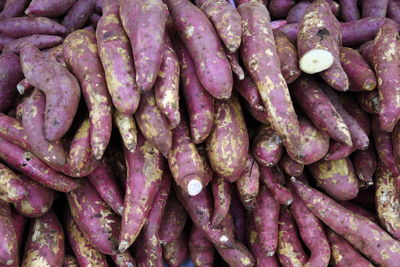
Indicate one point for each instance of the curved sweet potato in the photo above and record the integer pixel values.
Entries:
(177, 251)
(248, 182)
(248, 90)
(287, 54)
(11, 72)
(12, 189)
(272, 178)
(39, 41)
(222, 195)
(290, 166)
(24, 26)
(8, 237)
(12, 131)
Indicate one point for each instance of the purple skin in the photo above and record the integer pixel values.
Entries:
(201, 249)
(12, 131)
(296, 13)
(78, 14)
(349, 10)
(176, 252)
(25, 26)
(291, 167)
(48, 8)
(351, 106)
(222, 195)
(4, 40)
(248, 90)
(173, 220)
(12, 189)
(369, 101)
(13, 8)
(37, 40)
(365, 165)
(238, 213)
(124, 259)
(11, 73)
(8, 238)
(374, 8)
(393, 10)
(279, 9)
(338, 150)
(267, 146)
(359, 210)
(272, 178)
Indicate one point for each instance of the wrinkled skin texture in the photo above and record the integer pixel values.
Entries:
(12, 189)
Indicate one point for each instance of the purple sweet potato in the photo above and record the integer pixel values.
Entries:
(278, 23)
(267, 147)
(13, 8)
(266, 216)
(198, 34)
(124, 259)
(8, 237)
(11, 72)
(37, 40)
(248, 90)
(144, 23)
(369, 101)
(290, 166)
(45, 242)
(393, 10)
(338, 150)
(222, 195)
(201, 249)
(12, 189)
(48, 8)
(312, 233)
(343, 254)
(107, 187)
(287, 54)
(336, 177)
(81, 55)
(95, 18)
(117, 63)
(28, 164)
(260, 115)
(396, 144)
(84, 252)
(126, 126)
(98, 223)
(12, 131)
(360, 211)
(238, 213)
(279, 9)
(290, 249)
(199, 102)
(386, 60)
(248, 182)
(296, 13)
(265, 71)
(98, 7)
(176, 252)
(4, 40)
(233, 59)
(363, 234)
(70, 261)
(37, 201)
(145, 168)
(24, 26)
(33, 119)
(228, 142)
(272, 178)
(55, 54)
(349, 10)
(365, 165)
(153, 124)
(167, 84)
(78, 14)
(60, 87)
(373, 8)
(148, 248)
(387, 201)
(173, 220)
(351, 106)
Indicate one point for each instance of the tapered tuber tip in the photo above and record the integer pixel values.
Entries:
(316, 60)
(194, 187)
(123, 245)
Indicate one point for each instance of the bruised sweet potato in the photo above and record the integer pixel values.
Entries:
(267, 147)
(369, 101)
(11, 72)
(70, 261)
(365, 165)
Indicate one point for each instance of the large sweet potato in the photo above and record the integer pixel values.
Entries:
(48, 8)
(13, 8)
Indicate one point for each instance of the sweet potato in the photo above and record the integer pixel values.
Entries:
(94, 19)
(144, 23)
(296, 13)
(349, 10)
(287, 56)
(290, 166)
(396, 144)
(98, 7)
(4, 40)
(233, 59)
(62, 98)
(35, 169)
(124, 259)
(267, 146)
(173, 220)
(37, 40)
(78, 14)
(386, 60)
(222, 195)
(145, 168)
(85, 254)
(55, 54)
(384, 147)
(265, 71)
(98, 223)
(10, 72)
(48, 8)
(228, 141)
(167, 84)
(248, 182)
(238, 213)
(24, 26)
(351, 106)
(369, 101)
(118, 67)
(33, 122)
(153, 124)
(336, 177)
(148, 249)
(199, 102)
(279, 9)
(37, 201)
(365, 165)
(127, 129)
(320, 110)
(387, 201)
(106, 186)
(360, 211)
(376, 9)
(248, 90)
(392, 11)
(198, 34)
(45, 242)
(272, 178)
(12, 189)
(290, 250)
(343, 254)
(312, 233)
(177, 251)
(338, 150)
(13, 8)
(81, 56)
(70, 261)
(266, 216)
(12, 131)
(377, 245)
(8, 237)
(260, 115)
(201, 250)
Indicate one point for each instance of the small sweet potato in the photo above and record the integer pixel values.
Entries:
(228, 142)
(45, 242)
(290, 166)
(349, 10)
(248, 182)
(371, 8)
(145, 168)
(48, 8)
(8, 237)
(81, 55)
(267, 147)
(126, 126)
(12, 189)
(144, 23)
(279, 9)
(336, 177)
(351, 106)
(98, 223)
(233, 59)
(124, 259)
(118, 68)
(365, 165)
(24, 26)
(39, 41)
(248, 90)
(338, 150)
(37, 201)
(84, 252)
(200, 249)
(60, 87)
(272, 178)
(11, 72)
(222, 195)
(13, 8)
(198, 34)
(176, 252)
(78, 14)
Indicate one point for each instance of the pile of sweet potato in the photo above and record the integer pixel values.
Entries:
(240, 133)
